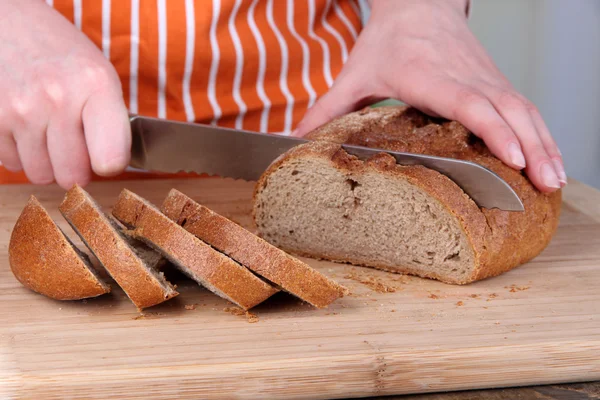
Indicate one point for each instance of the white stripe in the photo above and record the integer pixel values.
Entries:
(214, 64)
(77, 13)
(106, 28)
(134, 55)
(287, 127)
(344, 19)
(364, 9)
(239, 66)
(312, 95)
(262, 68)
(323, 43)
(355, 4)
(162, 57)
(50, 3)
(333, 32)
(190, 37)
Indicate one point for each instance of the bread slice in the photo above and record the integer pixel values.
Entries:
(44, 260)
(319, 201)
(199, 261)
(266, 260)
(130, 263)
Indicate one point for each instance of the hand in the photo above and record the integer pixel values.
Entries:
(60, 99)
(423, 53)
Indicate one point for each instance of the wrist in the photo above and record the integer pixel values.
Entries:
(461, 6)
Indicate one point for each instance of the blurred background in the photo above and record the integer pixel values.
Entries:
(550, 51)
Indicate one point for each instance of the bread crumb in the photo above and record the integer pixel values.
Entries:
(474, 296)
(460, 303)
(485, 308)
(190, 306)
(371, 282)
(492, 295)
(514, 288)
(150, 315)
(250, 317)
(392, 310)
(433, 296)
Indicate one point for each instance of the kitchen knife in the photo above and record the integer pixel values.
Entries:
(169, 146)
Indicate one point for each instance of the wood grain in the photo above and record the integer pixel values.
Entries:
(537, 324)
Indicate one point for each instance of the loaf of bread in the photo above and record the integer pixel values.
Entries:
(210, 268)
(131, 264)
(319, 201)
(263, 259)
(44, 260)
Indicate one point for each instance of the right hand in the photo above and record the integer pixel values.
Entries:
(62, 113)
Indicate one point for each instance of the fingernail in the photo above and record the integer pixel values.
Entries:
(549, 176)
(560, 171)
(516, 155)
(294, 132)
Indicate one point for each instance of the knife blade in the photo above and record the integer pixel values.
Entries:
(171, 146)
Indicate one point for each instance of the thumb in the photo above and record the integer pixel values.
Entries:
(107, 132)
(338, 101)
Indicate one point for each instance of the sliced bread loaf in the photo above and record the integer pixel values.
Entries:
(319, 201)
(266, 260)
(198, 260)
(130, 263)
(44, 260)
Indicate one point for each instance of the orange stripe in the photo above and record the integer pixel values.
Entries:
(176, 43)
(316, 53)
(349, 11)
(294, 78)
(226, 73)
(250, 71)
(202, 61)
(337, 24)
(148, 59)
(91, 21)
(65, 7)
(120, 43)
(273, 68)
(335, 50)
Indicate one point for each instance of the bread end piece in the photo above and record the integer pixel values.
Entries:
(291, 274)
(44, 260)
(130, 263)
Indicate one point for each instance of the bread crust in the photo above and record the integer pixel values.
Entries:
(501, 240)
(43, 260)
(251, 251)
(221, 272)
(111, 249)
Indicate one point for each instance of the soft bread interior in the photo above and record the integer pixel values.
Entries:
(311, 207)
(151, 260)
(168, 254)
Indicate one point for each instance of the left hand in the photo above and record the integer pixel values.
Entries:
(423, 53)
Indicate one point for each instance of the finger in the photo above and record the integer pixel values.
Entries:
(550, 146)
(33, 153)
(107, 132)
(344, 96)
(68, 151)
(470, 107)
(516, 112)
(331, 105)
(9, 154)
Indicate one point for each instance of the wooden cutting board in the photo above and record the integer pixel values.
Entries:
(537, 324)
